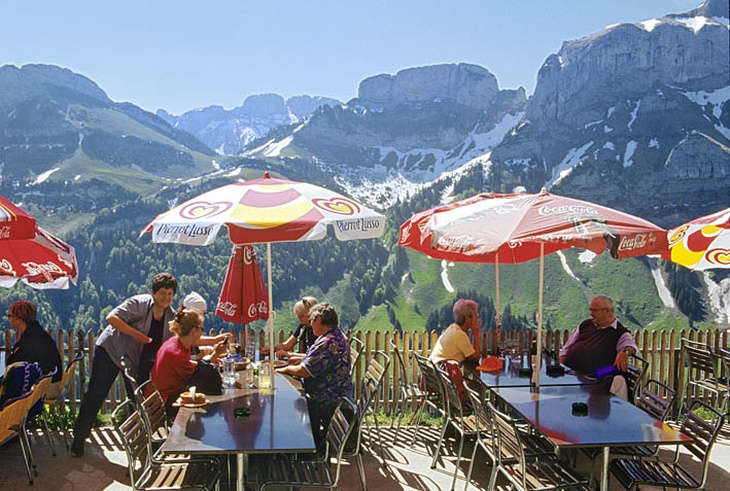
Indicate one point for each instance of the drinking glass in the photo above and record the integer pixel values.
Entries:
(264, 376)
(229, 372)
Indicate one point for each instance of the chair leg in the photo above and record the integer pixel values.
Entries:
(444, 427)
(417, 416)
(458, 461)
(42, 416)
(471, 464)
(27, 454)
(361, 471)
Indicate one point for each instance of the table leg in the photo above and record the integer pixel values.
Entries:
(604, 470)
(242, 469)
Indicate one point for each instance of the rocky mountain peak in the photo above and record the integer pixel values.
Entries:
(469, 85)
(35, 80)
(711, 8)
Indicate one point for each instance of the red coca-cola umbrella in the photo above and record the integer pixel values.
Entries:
(30, 254)
(14, 222)
(243, 298)
(515, 228)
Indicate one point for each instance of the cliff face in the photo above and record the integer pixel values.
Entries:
(639, 111)
(464, 84)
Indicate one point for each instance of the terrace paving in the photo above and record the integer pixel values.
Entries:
(104, 465)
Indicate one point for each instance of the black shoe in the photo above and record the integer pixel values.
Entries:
(77, 450)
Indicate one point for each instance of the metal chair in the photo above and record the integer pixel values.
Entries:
(367, 405)
(656, 399)
(725, 361)
(431, 386)
(154, 416)
(484, 437)
(130, 374)
(464, 424)
(408, 392)
(12, 418)
(57, 404)
(547, 473)
(193, 474)
(324, 473)
(703, 374)
(632, 473)
(637, 371)
(356, 348)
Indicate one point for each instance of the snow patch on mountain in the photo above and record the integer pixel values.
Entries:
(566, 166)
(719, 295)
(382, 185)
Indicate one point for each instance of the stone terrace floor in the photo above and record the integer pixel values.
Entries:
(104, 465)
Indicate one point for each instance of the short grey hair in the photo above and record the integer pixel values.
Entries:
(462, 308)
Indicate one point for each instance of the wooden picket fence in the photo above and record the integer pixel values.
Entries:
(660, 348)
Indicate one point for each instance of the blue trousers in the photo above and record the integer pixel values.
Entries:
(103, 374)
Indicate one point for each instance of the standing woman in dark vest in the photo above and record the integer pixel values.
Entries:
(599, 343)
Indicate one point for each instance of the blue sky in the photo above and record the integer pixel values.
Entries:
(180, 55)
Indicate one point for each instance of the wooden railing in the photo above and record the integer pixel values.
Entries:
(660, 348)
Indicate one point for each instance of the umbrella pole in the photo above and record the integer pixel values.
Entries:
(538, 358)
(271, 316)
(498, 317)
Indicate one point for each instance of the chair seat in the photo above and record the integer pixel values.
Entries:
(284, 472)
(655, 473)
(198, 475)
(546, 474)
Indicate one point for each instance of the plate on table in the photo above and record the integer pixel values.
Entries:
(185, 400)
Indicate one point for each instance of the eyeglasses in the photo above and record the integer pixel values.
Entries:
(597, 309)
(11, 315)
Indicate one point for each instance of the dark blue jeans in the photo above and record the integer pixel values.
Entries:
(103, 374)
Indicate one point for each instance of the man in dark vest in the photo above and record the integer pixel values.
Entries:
(599, 344)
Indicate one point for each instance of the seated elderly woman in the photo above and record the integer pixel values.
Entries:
(174, 370)
(34, 345)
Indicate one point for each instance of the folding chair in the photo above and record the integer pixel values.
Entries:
(146, 474)
(632, 473)
(408, 392)
(12, 418)
(281, 471)
(57, 404)
(546, 473)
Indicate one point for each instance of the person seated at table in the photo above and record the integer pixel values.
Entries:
(206, 344)
(174, 371)
(454, 343)
(599, 344)
(325, 370)
(302, 334)
(34, 345)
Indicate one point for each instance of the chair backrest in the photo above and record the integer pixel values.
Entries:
(130, 373)
(13, 414)
(483, 421)
(153, 412)
(725, 360)
(338, 432)
(454, 407)
(656, 399)
(399, 366)
(133, 434)
(429, 376)
(699, 359)
(637, 371)
(507, 445)
(68, 373)
(40, 389)
(356, 347)
(374, 374)
(704, 432)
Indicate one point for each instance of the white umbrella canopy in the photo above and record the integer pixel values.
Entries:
(266, 210)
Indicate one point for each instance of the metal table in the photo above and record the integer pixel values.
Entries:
(509, 376)
(278, 423)
(611, 421)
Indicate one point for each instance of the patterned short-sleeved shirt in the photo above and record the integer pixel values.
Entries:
(328, 363)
